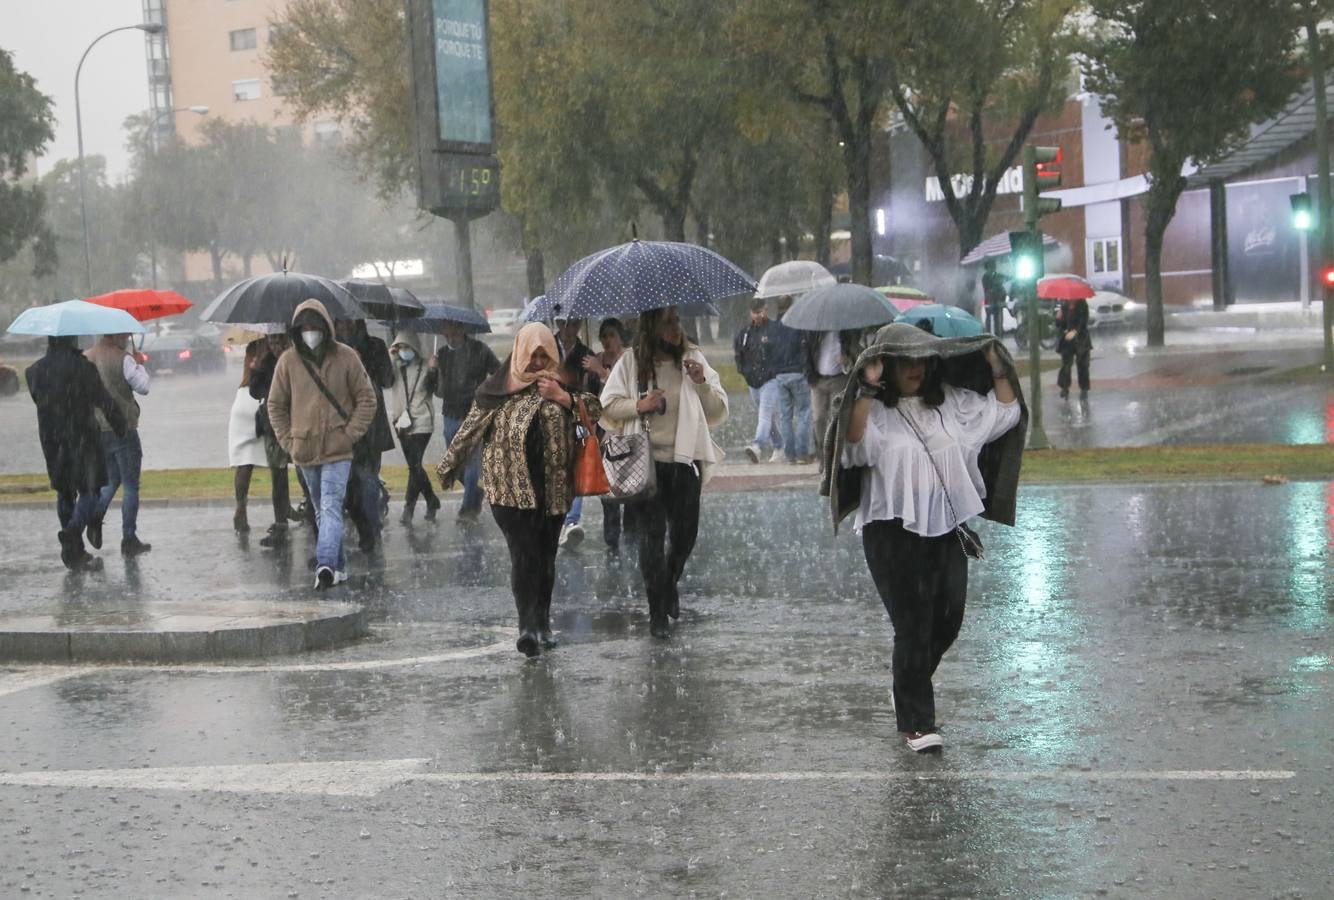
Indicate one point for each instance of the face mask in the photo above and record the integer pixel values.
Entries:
(406, 356)
(312, 338)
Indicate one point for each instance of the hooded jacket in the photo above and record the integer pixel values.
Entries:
(412, 388)
(304, 421)
(999, 461)
(68, 393)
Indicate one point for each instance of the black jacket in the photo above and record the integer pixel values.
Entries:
(458, 374)
(66, 388)
(763, 351)
(1073, 317)
(375, 359)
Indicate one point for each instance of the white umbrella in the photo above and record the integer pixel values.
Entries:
(796, 276)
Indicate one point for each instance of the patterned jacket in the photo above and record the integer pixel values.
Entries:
(501, 422)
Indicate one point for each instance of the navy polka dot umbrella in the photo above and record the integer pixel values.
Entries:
(633, 278)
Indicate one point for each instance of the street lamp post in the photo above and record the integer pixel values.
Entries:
(152, 130)
(147, 28)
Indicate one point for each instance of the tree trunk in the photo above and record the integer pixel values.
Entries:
(857, 156)
(970, 229)
(673, 222)
(1162, 205)
(824, 223)
(535, 265)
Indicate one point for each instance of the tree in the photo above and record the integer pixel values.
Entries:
(1187, 77)
(834, 55)
(1016, 54)
(25, 128)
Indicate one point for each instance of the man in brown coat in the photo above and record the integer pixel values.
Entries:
(321, 401)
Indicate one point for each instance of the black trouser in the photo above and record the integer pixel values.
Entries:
(668, 524)
(618, 519)
(280, 490)
(532, 537)
(922, 582)
(1081, 361)
(419, 483)
(995, 319)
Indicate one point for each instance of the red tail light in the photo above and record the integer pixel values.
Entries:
(184, 354)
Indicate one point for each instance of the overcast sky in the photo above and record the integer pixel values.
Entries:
(46, 38)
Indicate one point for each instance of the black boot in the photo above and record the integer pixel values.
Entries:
(72, 552)
(529, 644)
(95, 534)
(406, 517)
(132, 546)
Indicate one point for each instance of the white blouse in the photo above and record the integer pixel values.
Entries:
(902, 483)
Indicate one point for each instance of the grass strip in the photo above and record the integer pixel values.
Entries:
(1232, 462)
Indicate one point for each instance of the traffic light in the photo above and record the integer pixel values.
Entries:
(1026, 264)
(1042, 172)
(1327, 277)
(1302, 219)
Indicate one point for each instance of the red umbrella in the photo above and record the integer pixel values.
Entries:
(1064, 287)
(144, 304)
(904, 298)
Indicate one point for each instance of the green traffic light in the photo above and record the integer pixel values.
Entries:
(1302, 220)
(1025, 268)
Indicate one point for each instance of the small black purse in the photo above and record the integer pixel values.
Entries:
(968, 539)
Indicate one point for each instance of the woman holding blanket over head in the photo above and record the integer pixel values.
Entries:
(926, 439)
(523, 416)
(666, 385)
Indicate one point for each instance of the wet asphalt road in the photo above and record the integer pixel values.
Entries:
(1139, 705)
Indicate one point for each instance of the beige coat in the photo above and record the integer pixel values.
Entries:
(305, 422)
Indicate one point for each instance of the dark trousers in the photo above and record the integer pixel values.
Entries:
(668, 524)
(532, 537)
(76, 509)
(922, 582)
(618, 519)
(419, 483)
(1081, 362)
(995, 319)
(363, 497)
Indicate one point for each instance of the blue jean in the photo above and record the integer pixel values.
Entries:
(765, 398)
(472, 473)
(125, 459)
(794, 412)
(576, 511)
(76, 510)
(327, 484)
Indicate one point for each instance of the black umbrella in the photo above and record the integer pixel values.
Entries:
(435, 315)
(275, 297)
(384, 302)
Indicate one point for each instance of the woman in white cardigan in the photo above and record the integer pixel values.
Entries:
(666, 385)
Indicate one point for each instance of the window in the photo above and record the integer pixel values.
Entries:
(245, 90)
(1105, 256)
(327, 134)
(244, 39)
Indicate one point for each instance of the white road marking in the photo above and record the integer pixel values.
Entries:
(365, 778)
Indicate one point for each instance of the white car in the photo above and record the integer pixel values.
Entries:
(1107, 308)
(503, 321)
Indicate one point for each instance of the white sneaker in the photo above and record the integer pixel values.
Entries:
(340, 576)
(778, 455)
(571, 535)
(753, 452)
(924, 742)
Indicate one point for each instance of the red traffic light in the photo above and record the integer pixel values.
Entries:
(1327, 276)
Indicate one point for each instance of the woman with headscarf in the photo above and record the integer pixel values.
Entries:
(665, 385)
(918, 456)
(413, 418)
(524, 417)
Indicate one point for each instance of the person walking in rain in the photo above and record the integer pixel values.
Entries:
(413, 417)
(69, 393)
(574, 353)
(794, 394)
(665, 384)
(462, 363)
(753, 351)
(828, 358)
(123, 377)
(1075, 345)
(364, 492)
(615, 339)
(917, 457)
(275, 457)
(320, 404)
(523, 418)
(993, 297)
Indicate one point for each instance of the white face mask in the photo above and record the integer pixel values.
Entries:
(406, 356)
(312, 338)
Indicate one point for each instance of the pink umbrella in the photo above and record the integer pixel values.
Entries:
(904, 298)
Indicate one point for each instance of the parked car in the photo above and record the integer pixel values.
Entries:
(1108, 309)
(503, 321)
(183, 351)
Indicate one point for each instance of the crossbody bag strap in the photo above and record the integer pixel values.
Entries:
(963, 542)
(319, 383)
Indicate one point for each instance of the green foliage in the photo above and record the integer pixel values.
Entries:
(1015, 56)
(1187, 77)
(25, 128)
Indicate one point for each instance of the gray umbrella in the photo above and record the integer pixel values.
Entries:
(838, 307)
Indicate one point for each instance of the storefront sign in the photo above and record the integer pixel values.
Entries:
(1011, 183)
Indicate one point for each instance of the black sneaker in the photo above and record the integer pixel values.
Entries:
(468, 516)
(95, 534)
(324, 578)
(431, 510)
(276, 537)
(132, 546)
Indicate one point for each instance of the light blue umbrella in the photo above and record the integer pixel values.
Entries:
(74, 317)
(946, 321)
